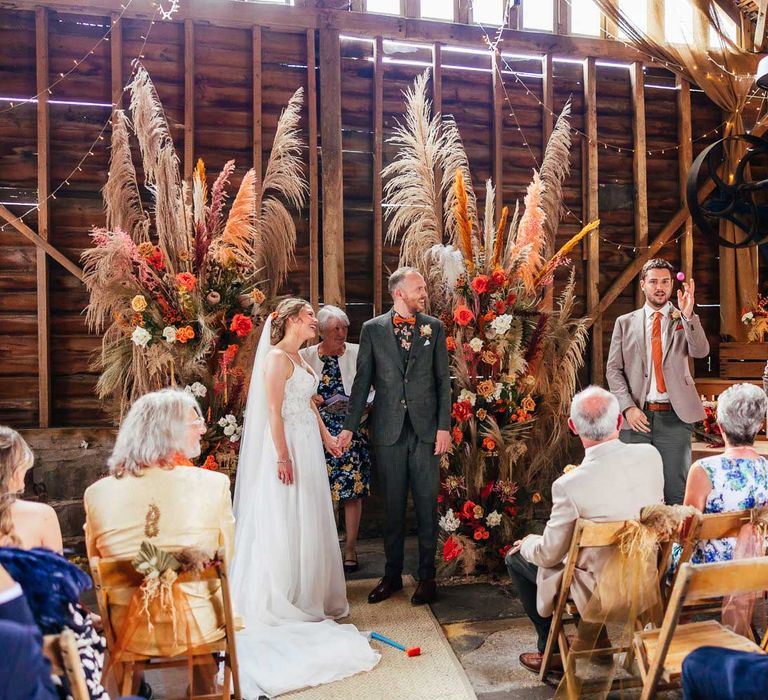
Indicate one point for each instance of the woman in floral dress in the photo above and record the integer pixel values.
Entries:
(334, 361)
(738, 478)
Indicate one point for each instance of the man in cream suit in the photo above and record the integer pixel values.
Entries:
(615, 481)
(648, 372)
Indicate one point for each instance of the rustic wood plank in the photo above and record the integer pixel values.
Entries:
(189, 98)
(333, 194)
(437, 108)
(43, 215)
(314, 196)
(116, 60)
(562, 16)
(639, 163)
(257, 106)
(378, 164)
(547, 99)
(685, 158)
(591, 212)
(498, 133)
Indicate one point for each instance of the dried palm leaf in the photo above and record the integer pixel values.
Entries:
(554, 171)
(453, 158)
(240, 229)
(498, 241)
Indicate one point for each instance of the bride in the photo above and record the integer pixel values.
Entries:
(287, 575)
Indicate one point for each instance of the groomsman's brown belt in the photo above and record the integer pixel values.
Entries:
(658, 407)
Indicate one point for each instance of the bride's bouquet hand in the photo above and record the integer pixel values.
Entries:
(285, 471)
(332, 445)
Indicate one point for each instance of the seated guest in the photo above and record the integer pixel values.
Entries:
(22, 523)
(615, 481)
(712, 673)
(334, 360)
(154, 493)
(736, 479)
(24, 672)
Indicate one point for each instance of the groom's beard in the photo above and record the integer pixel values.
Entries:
(415, 305)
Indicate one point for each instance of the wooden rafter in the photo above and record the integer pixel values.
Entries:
(378, 164)
(685, 158)
(314, 195)
(189, 98)
(639, 162)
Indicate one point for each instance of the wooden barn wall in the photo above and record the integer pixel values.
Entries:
(222, 127)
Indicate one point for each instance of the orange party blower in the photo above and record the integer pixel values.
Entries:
(413, 651)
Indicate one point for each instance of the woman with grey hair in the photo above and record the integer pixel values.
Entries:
(736, 479)
(153, 492)
(334, 361)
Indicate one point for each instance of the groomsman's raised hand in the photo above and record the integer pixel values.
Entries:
(685, 300)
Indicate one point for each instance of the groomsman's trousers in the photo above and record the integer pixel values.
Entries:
(409, 461)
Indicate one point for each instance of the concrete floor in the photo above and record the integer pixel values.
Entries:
(484, 623)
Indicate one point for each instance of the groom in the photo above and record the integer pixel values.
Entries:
(404, 355)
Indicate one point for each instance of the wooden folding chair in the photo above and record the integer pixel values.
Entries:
(61, 650)
(586, 533)
(113, 575)
(660, 652)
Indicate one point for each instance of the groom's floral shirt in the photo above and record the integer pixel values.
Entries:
(403, 332)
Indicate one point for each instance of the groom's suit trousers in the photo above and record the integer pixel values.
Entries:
(409, 461)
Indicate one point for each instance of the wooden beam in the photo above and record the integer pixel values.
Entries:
(410, 8)
(256, 57)
(233, 13)
(498, 132)
(591, 212)
(685, 158)
(461, 11)
(189, 98)
(43, 216)
(562, 16)
(639, 162)
(762, 12)
(314, 196)
(116, 60)
(40, 242)
(548, 101)
(437, 108)
(378, 164)
(333, 193)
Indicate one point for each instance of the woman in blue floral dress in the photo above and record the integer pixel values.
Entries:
(738, 478)
(334, 361)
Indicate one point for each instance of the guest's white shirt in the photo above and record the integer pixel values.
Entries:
(654, 395)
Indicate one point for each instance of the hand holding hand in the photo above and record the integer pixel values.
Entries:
(442, 442)
(318, 400)
(285, 471)
(332, 445)
(685, 298)
(344, 438)
(637, 420)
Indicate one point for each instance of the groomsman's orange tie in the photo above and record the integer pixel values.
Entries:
(656, 352)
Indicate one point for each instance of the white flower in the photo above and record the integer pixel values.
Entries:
(748, 317)
(229, 430)
(467, 395)
(449, 522)
(501, 324)
(476, 344)
(169, 333)
(425, 330)
(236, 435)
(141, 336)
(197, 389)
(497, 391)
(493, 519)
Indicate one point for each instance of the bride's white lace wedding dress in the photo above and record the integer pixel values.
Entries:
(287, 575)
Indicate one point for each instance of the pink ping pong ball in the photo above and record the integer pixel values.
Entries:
(680, 276)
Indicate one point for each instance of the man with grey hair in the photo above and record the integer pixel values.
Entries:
(403, 354)
(615, 481)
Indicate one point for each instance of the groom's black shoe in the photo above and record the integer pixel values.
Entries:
(426, 592)
(387, 586)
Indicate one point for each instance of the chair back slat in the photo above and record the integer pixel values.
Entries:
(114, 574)
(595, 534)
(725, 578)
(715, 526)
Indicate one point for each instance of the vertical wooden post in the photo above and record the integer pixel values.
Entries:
(378, 164)
(639, 163)
(314, 197)
(498, 133)
(410, 8)
(257, 121)
(547, 99)
(462, 11)
(116, 60)
(437, 107)
(189, 98)
(590, 214)
(333, 192)
(43, 216)
(685, 158)
(562, 16)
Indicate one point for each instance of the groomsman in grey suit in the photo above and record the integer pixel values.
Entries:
(403, 354)
(648, 372)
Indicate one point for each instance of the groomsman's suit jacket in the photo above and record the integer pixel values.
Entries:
(422, 387)
(615, 481)
(629, 375)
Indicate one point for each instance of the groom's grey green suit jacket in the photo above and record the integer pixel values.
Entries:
(422, 387)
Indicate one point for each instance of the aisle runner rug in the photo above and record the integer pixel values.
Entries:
(435, 675)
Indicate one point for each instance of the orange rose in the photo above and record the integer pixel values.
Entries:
(528, 404)
(490, 358)
(486, 388)
(499, 276)
(210, 463)
(489, 317)
(186, 281)
(463, 316)
(481, 414)
(481, 534)
(536, 498)
(480, 284)
(489, 444)
(462, 410)
(241, 325)
(146, 249)
(184, 334)
(450, 343)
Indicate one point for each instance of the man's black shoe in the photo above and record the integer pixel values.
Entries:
(426, 592)
(386, 587)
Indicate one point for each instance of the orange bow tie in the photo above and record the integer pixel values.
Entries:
(410, 320)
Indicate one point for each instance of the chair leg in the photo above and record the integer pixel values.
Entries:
(128, 673)
(226, 688)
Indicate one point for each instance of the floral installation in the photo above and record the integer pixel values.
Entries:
(180, 289)
(756, 320)
(514, 360)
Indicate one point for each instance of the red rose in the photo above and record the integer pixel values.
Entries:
(499, 276)
(440, 498)
(480, 284)
(463, 316)
(155, 259)
(241, 324)
(511, 299)
(487, 490)
(451, 549)
(500, 307)
(511, 511)
(186, 280)
(462, 410)
(467, 511)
